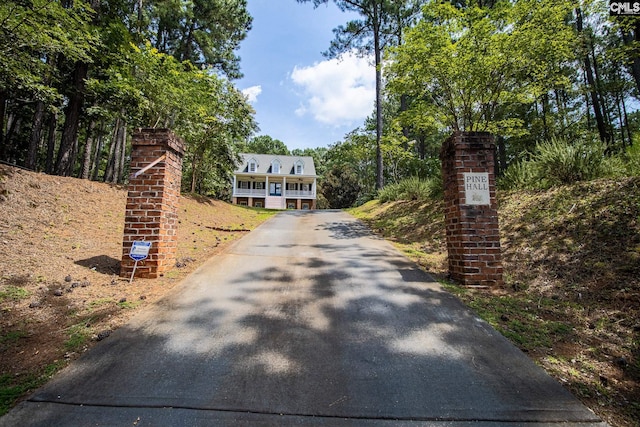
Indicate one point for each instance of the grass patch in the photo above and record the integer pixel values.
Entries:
(14, 387)
(78, 336)
(13, 293)
(533, 325)
(11, 337)
(173, 274)
(101, 302)
(129, 304)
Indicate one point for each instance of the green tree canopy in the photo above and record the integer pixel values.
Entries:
(464, 67)
(264, 144)
(204, 32)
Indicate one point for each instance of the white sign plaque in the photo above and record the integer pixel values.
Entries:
(139, 250)
(476, 188)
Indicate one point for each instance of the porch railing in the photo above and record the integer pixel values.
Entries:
(250, 192)
(299, 194)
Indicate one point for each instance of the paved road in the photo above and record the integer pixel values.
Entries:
(309, 320)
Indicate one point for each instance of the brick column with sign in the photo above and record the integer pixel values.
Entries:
(152, 201)
(471, 209)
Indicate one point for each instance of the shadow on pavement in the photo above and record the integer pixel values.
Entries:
(354, 331)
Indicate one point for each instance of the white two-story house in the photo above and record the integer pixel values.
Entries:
(275, 182)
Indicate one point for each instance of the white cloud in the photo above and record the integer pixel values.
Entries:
(338, 91)
(252, 93)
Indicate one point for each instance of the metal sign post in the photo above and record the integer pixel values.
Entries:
(139, 251)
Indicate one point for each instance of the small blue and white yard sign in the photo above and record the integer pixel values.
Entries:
(139, 250)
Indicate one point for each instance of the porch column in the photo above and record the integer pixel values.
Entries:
(284, 188)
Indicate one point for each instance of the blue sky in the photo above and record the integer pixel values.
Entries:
(300, 97)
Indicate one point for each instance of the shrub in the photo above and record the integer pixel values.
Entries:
(520, 175)
(412, 188)
(559, 162)
(340, 187)
(632, 159)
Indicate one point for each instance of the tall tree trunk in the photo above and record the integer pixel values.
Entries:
(95, 164)
(185, 53)
(378, 59)
(587, 103)
(116, 156)
(122, 148)
(51, 142)
(88, 149)
(14, 124)
(109, 170)
(561, 113)
(501, 163)
(626, 122)
(69, 139)
(36, 136)
(3, 113)
(597, 109)
(545, 108)
(194, 177)
(606, 113)
(422, 147)
(620, 120)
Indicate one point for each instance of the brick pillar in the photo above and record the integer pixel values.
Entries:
(471, 209)
(152, 201)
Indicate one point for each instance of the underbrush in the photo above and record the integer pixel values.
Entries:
(561, 162)
(412, 189)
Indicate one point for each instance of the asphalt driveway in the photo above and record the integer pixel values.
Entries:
(308, 320)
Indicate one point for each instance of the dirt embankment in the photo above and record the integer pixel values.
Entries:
(572, 270)
(60, 249)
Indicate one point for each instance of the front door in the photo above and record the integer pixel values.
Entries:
(275, 189)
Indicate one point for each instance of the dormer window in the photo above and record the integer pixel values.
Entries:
(275, 166)
(253, 166)
(299, 168)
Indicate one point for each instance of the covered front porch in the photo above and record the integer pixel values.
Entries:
(275, 192)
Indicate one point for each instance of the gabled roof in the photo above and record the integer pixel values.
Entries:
(287, 164)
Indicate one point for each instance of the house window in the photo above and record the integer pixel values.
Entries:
(305, 206)
(275, 189)
(259, 185)
(306, 187)
(242, 203)
(275, 166)
(253, 166)
(291, 205)
(299, 168)
(243, 185)
(257, 204)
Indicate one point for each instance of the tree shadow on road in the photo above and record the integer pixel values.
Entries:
(361, 334)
